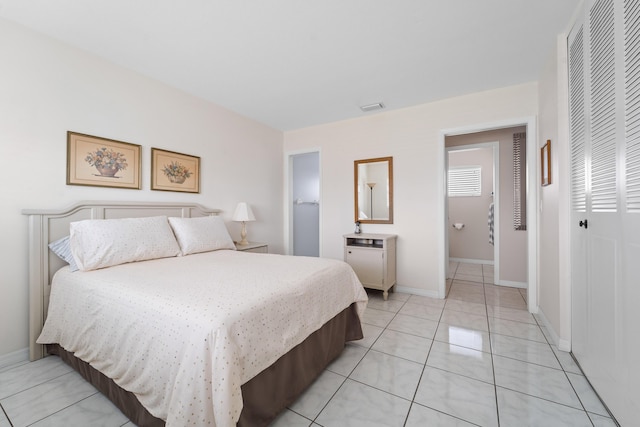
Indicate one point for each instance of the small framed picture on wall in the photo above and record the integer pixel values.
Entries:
(545, 163)
(102, 162)
(171, 171)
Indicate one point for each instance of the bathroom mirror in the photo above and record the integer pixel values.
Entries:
(373, 190)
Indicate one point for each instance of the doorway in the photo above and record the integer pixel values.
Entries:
(473, 205)
(304, 204)
(530, 185)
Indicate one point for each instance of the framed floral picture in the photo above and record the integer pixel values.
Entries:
(172, 171)
(102, 162)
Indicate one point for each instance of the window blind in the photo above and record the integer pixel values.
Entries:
(465, 181)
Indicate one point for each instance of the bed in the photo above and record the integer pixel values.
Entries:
(212, 337)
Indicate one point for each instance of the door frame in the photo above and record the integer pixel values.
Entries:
(533, 176)
(494, 145)
(288, 199)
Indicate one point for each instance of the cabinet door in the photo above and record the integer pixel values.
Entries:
(367, 264)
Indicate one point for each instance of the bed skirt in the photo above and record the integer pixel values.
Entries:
(265, 395)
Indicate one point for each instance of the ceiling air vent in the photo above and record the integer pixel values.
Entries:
(372, 107)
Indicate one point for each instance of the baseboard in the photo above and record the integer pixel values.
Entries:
(417, 291)
(472, 261)
(509, 283)
(552, 332)
(564, 345)
(14, 358)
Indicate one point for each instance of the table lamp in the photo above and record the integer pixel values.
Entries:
(243, 214)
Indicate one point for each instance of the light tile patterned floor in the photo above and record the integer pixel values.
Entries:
(476, 358)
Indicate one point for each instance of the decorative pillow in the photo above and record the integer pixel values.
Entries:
(62, 248)
(99, 243)
(208, 233)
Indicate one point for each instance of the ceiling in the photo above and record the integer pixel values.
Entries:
(293, 63)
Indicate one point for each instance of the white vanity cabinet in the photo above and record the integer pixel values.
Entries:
(373, 258)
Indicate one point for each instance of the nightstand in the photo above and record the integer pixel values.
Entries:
(259, 248)
(373, 258)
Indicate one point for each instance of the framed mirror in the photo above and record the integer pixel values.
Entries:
(373, 190)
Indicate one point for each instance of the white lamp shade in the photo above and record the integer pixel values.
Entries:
(243, 213)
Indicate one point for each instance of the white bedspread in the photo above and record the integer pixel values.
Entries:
(183, 334)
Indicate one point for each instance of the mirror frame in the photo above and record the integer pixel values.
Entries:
(356, 163)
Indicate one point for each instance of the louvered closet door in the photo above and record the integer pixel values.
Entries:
(604, 76)
(578, 120)
(630, 201)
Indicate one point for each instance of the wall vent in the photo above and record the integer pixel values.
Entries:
(372, 107)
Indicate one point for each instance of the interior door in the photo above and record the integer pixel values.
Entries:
(629, 297)
(605, 200)
(579, 249)
(306, 204)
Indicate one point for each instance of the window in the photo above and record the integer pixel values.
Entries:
(465, 181)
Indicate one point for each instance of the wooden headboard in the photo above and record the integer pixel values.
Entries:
(46, 226)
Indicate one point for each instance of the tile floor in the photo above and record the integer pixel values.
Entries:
(476, 358)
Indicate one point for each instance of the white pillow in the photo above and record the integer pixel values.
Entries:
(208, 233)
(99, 243)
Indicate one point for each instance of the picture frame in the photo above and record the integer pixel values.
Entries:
(102, 162)
(171, 171)
(545, 163)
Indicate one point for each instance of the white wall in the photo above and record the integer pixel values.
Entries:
(48, 88)
(411, 136)
(555, 259)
